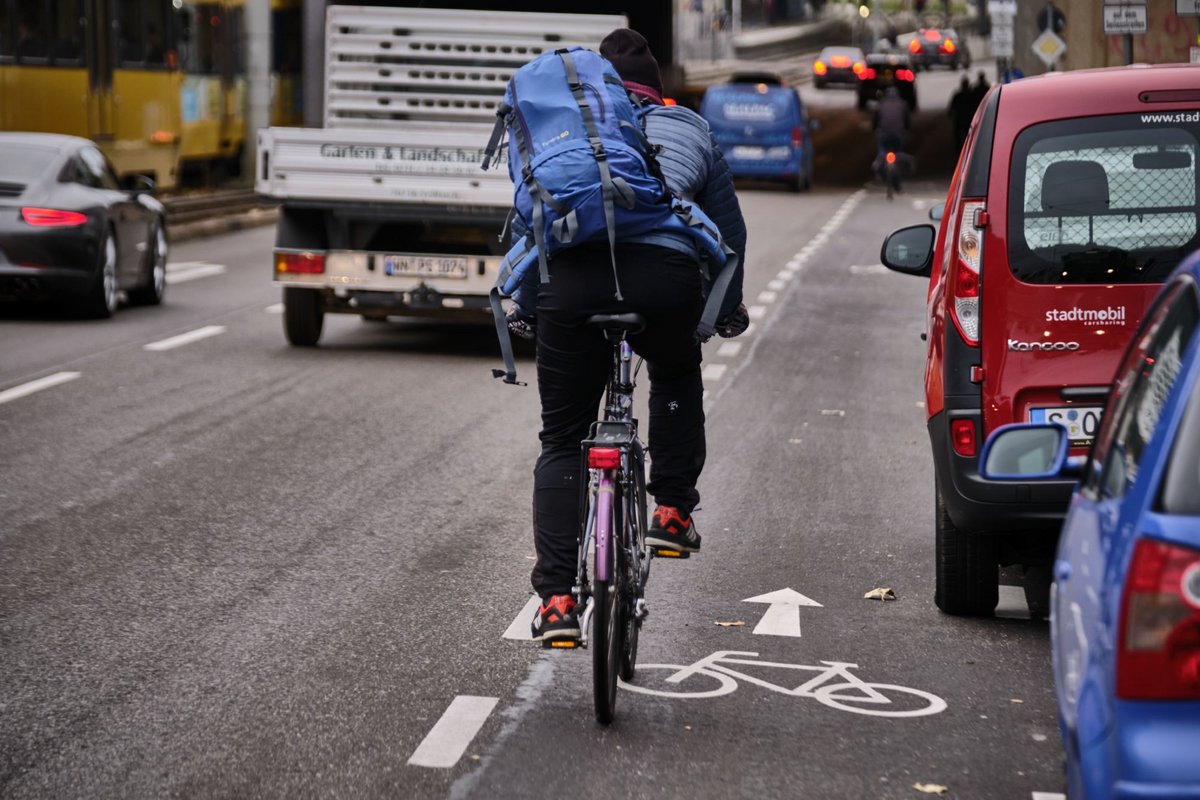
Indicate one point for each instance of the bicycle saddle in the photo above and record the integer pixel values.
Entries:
(619, 323)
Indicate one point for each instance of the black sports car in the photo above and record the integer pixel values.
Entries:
(69, 230)
(884, 70)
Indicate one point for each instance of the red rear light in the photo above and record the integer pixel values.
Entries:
(300, 263)
(840, 61)
(53, 218)
(962, 434)
(819, 68)
(669, 101)
(891, 157)
(867, 74)
(604, 458)
(968, 244)
(797, 137)
(947, 46)
(1158, 655)
(914, 46)
(932, 36)
(905, 75)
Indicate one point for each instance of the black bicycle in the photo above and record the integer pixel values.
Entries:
(613, 526)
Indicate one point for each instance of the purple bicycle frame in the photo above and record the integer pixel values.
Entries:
(604, 520)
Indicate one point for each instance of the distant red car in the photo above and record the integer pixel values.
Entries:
(1074, 197)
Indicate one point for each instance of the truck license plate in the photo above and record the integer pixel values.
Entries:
(1081, 422)
(426, 266)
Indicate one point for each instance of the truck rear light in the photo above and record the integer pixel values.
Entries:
(962, 435)
(969, 257)
(300, 263)
(52, 218)
(604, 458)
(1158, 655)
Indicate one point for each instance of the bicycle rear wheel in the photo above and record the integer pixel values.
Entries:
(633, 562)
(608, 629)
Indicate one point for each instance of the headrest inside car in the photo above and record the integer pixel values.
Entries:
(1072, 188)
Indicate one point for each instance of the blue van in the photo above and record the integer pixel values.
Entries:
(762, 129)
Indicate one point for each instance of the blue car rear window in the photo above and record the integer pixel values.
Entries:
(748, 105)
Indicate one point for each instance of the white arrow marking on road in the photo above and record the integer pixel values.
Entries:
(783, 615)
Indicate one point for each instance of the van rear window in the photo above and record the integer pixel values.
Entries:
(748, 105)
(1104, 199)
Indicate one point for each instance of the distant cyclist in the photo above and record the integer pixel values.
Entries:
(660, 279)
(892, 120)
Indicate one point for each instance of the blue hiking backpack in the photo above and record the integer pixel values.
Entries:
(583, 171)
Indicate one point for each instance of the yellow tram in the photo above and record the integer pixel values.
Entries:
(160, 85)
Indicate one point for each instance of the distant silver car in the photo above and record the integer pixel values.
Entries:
(69, 230)
(838, 66)
(938, 46)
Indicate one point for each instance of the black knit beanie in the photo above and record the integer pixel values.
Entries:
(630, 54)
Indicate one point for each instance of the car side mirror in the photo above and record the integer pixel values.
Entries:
(138, 184)
(1024, 452)
(909, 250)
(937, 211)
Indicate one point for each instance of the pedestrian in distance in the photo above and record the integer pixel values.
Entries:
(979, 90)
(962, 111)
(660, 278)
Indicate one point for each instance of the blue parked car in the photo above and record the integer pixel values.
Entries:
(762, 129)
(1125, 606)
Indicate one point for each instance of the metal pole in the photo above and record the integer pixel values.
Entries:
(256, 45)
(314, 63)
(1128, 41)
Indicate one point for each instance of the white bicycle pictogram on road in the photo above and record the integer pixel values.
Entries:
(834, 685)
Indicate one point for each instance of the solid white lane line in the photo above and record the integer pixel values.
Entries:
(444, 745)
(277, 308)
(729, 349)
(185, 338)
(713, 372)
(519, 628)
(37, 385)
(192, 273)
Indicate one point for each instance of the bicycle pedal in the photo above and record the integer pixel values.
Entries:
(663, 552)
(560, 644)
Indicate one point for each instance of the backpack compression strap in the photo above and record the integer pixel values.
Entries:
(606, 182)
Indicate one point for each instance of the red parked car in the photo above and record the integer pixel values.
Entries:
(1074, 197)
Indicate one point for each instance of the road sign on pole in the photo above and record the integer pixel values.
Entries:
(1125, 18)
(1187, 8)
(1049, 48)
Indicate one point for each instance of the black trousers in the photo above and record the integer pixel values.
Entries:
(573, 361)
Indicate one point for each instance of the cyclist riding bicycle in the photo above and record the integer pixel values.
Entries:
(659, 279)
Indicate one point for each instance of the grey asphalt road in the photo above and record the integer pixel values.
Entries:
(236, 569)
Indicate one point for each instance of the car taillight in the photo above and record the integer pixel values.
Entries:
(969, 255)
(867, 74)
(932, 36)
(304, 263)
(53, 218)
(604, 458)
(914, 47)
(905, 75)
(841, 62)
(1158, 654)
(797, 137)
(819, 68)
(962, 435)
(859, 67)
(947, 47)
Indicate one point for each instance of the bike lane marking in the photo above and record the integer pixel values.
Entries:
(782, 617)
(184, 338)
(519, 628)
(37, 385)
(450, 736)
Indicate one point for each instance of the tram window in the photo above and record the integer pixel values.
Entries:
(142, 33)
(286, 35)
(200, 35)
(66, 33)
(29, 45)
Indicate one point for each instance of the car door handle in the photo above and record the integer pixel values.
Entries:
(1062, 570)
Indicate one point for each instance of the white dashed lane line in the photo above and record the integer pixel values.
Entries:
(1049, 796)
(276, 308)
(37, 385)
(444, 745)
(729, 349)
(185, 338)
(519, 628)
(182, 271)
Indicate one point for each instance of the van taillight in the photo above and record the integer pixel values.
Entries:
(969, 264)
(797, 136)
(962, 435)
(1158, 653)
(302, 263)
